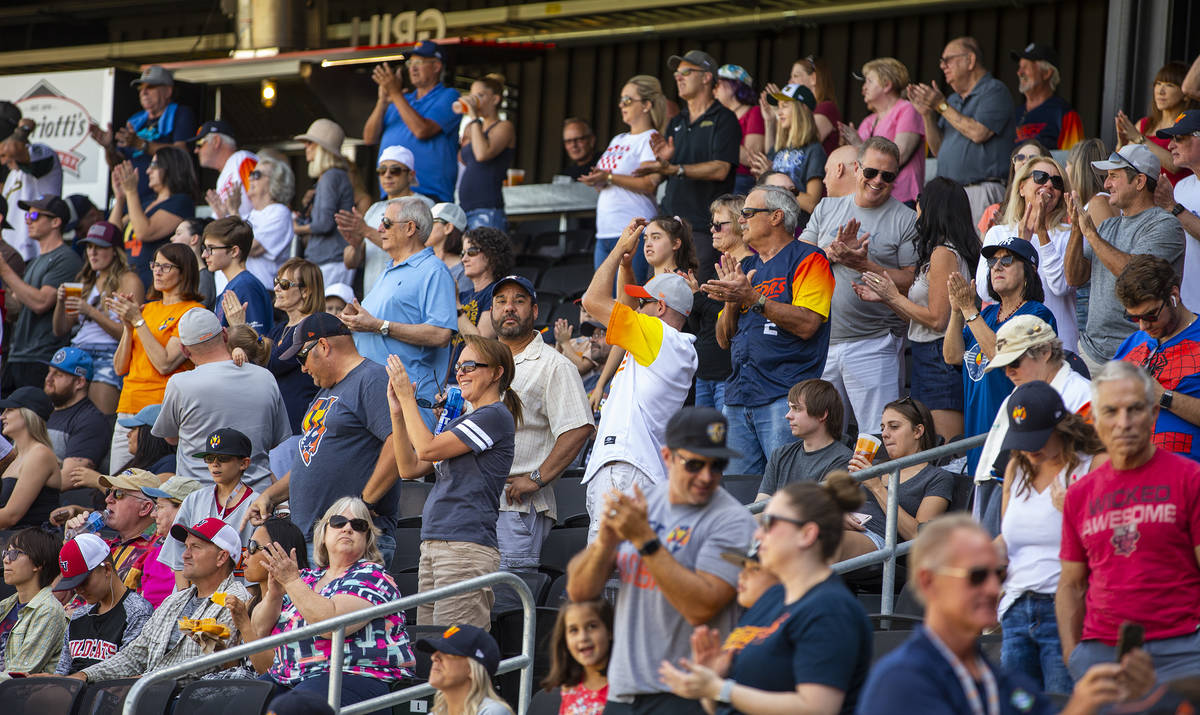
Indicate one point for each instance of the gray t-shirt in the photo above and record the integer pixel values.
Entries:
(198, 402)
(892, 245)
(1154, 232)
(342, 434)
(33, 338)
(790, 463)
(961, 159)
(647, 629)
(198, 506)
(929, 482)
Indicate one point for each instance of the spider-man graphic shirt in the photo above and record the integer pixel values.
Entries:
(1175, 363)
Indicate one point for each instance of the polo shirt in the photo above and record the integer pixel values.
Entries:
(961, 159)
(1175, 363)
(433, 158)
(713, 136)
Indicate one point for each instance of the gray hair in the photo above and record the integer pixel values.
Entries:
(1055, 76)
(227, 141)
(359, 509)
(777, 198)
(281, 181)
(882, 145)
(415, 210)
(1117, 370)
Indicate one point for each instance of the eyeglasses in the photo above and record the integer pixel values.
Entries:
(256, 175)
(1016, 364)
(392, 170)
(34, 215)
(1002, 260)
(473, 251)
(466, 367)
(1041, 177)
(286, 284)
(386, 223)
(943, 61)
(1022, 158)
(870, 172)
(767, 520)
(643, 302)
(1145, 317)
(218, 458)
(718, 226)
(976, 576)
(161, 267)
(748, 213)
(576, 140)
(302, 354)
(11, 555)
(694, 466)
(626, 100)
(209, 249)
(337, 521)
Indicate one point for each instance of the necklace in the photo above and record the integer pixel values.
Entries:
(1001, 317)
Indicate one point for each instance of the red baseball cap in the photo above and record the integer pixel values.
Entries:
(78, 557)
(214, 531)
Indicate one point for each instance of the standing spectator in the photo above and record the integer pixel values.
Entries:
(1124, 561)
(1141, 228)
(32, 622)
(735, 90)
(270, 189)
(971, 131)
(624, 195)
(812, 72)
(866, 340)
(895, 118)
(1043, 115)
(218, 150)
(814, 417)
(83, 214)
(653, 382)
(1183, 140)
(777, 326)
(1089, 184)
(579, 141)
(32, 340)
(323, 244)
(160, 123)
(556, 423)
(244, 299)
(79, 432)
(485, 156)
(299, 292)
(147, 226)
(422, 120)
(410, 311)
(1167, 346)
(1167, 103)
(96, 328)
(792, 145)
(667, 546)
(33, 170)
(445, 238)
(946, 243)
(190, 233)
(699, 155)
(26, 493)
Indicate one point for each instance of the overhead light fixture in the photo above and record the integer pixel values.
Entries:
(269, 93)
(363, 60)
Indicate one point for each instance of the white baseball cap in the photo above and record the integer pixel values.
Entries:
(340, 290)
(451, 214)
(397, 153)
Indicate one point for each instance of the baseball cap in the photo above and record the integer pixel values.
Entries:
(793, 93)
(77, 206)
(1131, 156)
(700, 58)
(4, 212)
(148, 415)
(465, 640)
(740, 557)
(451, 214)
(666, 287)
(49, 203)
(397, 153)
(1036, 52)
(427, 48)
(198, 325)
(736, 73)
(701, 430)
(31, 398)
(133, 479)
(1018, 335)
(317, 325)
(154, 75)
(78, 557)
(213, 126)
(1186, 123)
(519, 280)
(176, 488)
(1033, 410)
(589, 327)
(226, 441)
(214, 531)
(1024, 249)
(340, 290)
(72, 361)
(10, 118)
(105, 235)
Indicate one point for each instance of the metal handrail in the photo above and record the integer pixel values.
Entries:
(337, 624)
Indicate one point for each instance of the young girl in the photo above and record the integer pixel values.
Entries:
(579, 662)
(246, 345)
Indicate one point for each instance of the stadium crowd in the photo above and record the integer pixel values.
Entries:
(210, 435)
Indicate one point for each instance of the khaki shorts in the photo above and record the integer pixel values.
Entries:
(445, 563)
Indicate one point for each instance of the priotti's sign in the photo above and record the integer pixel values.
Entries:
(406, 28)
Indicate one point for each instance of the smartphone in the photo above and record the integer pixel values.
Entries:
(1131, 635)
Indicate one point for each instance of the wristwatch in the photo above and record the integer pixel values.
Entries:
(941, 108)
(679, 172)
(139, 323)
(536, 477)
(759, 305)
(1178, 209)
(383, 329)
(650, 547)
(726, 691)
(1165, 400)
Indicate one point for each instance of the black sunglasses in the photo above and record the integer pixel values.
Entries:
(1145, 317)
(254, 547)
(1002, 260)
(870, 172)
(467, 367)
(748, 212)
(337, 521)
(218, 458)
(387, 223)
(1041, 177)
(643, 302)
(718, 225)
(302, 354)
(695, 465)
(768, 520)
(286, 284)
(976, 576)
(392, 171)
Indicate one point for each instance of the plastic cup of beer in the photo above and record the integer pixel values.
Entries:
(515, 177)
(867, 445)
(73, 290)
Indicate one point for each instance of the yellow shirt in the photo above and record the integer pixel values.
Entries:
(144, 385)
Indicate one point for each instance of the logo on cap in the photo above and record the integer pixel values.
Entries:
(450, 631)
(1019, 414)
(716, 432)
(214, 441)
(64, 565)
(60, 356)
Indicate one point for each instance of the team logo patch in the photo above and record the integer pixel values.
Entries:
(314, 424)
(678, 537)
(1019, 414)
(64, 565)
(450, 631)
(716, 432)
(1022, 700)
(1125, 538)
(214, 441)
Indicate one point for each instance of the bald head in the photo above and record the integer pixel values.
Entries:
(839, 171)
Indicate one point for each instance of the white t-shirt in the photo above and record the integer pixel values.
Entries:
(1060, 295)
(274, 231)
(20, 186)
(1187, 192)
(616, 206)
(234, 177)
(649, 387)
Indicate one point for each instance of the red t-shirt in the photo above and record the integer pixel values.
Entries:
(1137, 531)
(751, 123)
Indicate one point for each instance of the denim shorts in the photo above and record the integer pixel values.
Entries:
(102, 363)
(934, 383)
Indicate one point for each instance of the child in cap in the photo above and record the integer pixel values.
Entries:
(465, 659)
(158, 580)
(113, 615)
(227, 454)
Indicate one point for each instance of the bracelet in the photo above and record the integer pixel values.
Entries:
(972, 318)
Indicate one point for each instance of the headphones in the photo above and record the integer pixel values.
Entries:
(1174, 301)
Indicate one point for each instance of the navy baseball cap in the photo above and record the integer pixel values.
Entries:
(427, 48)
(1036, 52)
(467, 641)
(1033, 410)
(226, 441)
(701, 430)
(1024, 249)
(31, 398)
(317, 325)
(4, 213)
(519, 280)
(72, 361)
(213, 126)
(1186, 123)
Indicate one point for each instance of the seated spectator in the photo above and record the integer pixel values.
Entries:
(793, 144)
(806, 639)
(212, 550)
(28, 487)
(580, 648)
(486, 150)
(1168, 103)
(79, 432)
(130, 513)
(146, 452)
(84, 215)
(445, 238)
(815, 418)
(323, 245)
(1052, 448)
(96, 328)
(349, 577)
(150, 226)
(299, 292)
(227, 243)
(158, 580)
(926, 491)
(218, 150)
(465, 659)
(753, 579)
(337, 297)
(32, 622)
(579, 141)
(272, 185)
(1043, 116)
(191, 234)
(113, 616)
(895, 118)
(487, 256)
(942, 669)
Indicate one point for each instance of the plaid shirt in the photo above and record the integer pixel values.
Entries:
(36, 641)
(150, 652)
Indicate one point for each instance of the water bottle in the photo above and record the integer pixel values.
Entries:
(453, 409)
(94, 523)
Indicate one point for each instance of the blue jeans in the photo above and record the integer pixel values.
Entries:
(756, 432)
(1031, 644)
(487, 217)
(710, 393)
(604, 246)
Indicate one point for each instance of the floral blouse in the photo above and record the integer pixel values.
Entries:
(579, 700)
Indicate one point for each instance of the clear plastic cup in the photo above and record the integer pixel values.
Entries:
(867, 445)
(515, 177)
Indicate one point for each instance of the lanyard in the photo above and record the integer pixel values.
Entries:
(967, 682)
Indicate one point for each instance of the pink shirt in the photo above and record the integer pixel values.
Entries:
(751, 123)
(158, 580)
(902, 117)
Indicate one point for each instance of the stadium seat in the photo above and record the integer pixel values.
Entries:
(40, 696)
(416, 633)
(561, 545)
(406, 581)
(556, 595)
(507, 598)
(744, 487)
(412, 502)
(571, 497)
(408, 549)
(108, 697)
(569, 280)
(528, 271)
(507, 631)
(545, 702)
(213, 697)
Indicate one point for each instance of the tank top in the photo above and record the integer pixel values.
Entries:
(481, 180)
(39, 511)
(90, 332)
(919, 294)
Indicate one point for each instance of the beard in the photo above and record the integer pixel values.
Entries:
(510, 331)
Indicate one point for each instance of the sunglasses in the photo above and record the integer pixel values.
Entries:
(1146, 317)
(473, 251)
(976, 576)
(337, 521)
(254, 547)
(387, 223)
(577, 140)
(626, 100)
(467, 367)
(1002, 260)
(1022, 158)
(161, 267)
(695, 465)
(302, 354)
(870, 172)
(287, 284)
(748, 213)
(1041, 177)
(686, 71)
(11, 555)
(718, 226)
(35, 214)
(392, 170)
(119, 494)
(256, 175)
(767, 520)
(643, 302)
(218, 458)
(1015, 364)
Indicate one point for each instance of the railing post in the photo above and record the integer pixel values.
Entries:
(889, 567)
(528, 632)
(336, 651)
